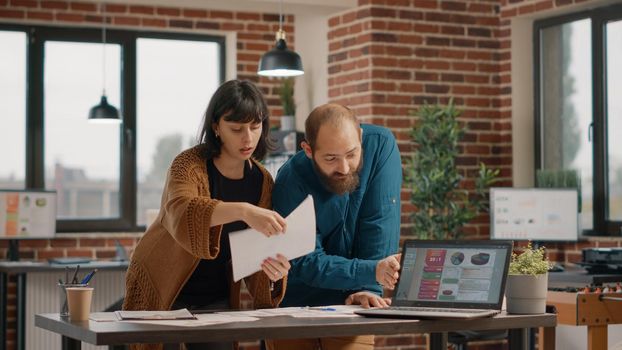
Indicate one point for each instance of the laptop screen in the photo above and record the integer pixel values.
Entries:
(465, 274)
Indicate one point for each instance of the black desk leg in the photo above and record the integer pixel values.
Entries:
(438, 341)
(3, 313)
(518, 339)
(21, 312)
(70, 343)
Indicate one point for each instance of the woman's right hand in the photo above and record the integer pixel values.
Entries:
(266, 221)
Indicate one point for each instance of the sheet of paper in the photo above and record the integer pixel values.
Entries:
(103, 317)
(250, 247)
(202, 320)
(180, 314)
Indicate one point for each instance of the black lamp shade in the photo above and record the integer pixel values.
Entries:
(104, 112)
(280, 62)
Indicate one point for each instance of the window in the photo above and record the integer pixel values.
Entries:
(13, 101)
(86, 177)
(190, 69)
(161, 83)
(578, 126)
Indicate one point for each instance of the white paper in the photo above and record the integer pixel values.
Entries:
(249, 248)
(202, 320)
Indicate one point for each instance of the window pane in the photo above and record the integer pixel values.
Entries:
(566, 108)
(13, 106)
(82, 159)
(169, 114)
(614, 118)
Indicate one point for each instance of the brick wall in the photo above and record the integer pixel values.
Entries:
(388, 57)
(255, 35)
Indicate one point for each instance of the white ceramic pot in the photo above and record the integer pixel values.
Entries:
(526, 294)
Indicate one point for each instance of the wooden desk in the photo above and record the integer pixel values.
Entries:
(21, 269)
(280, 327)
(591, 310)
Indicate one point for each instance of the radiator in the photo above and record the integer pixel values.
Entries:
(43, 295)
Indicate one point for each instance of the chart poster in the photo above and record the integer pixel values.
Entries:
(25, 214)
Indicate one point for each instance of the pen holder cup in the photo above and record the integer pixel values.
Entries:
(64, 307)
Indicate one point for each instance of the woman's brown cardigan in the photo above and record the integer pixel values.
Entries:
(181, 235)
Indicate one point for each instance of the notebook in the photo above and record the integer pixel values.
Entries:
(449, 279)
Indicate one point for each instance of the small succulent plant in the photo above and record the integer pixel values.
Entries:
(530, 262)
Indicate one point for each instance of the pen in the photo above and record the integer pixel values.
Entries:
(75, 275)
(88, 277)
(321, 308)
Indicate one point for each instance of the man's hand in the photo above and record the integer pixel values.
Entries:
(367, 300)
(388, 271)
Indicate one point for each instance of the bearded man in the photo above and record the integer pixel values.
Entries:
(354, 173)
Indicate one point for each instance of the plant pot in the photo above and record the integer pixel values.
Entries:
(526, 294)
(288, 123)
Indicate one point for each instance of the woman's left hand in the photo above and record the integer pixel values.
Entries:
(277, 268)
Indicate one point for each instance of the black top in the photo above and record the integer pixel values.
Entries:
(210, 280)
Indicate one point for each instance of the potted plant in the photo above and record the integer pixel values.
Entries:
(443, 207)
(286, 94)
(527, 282)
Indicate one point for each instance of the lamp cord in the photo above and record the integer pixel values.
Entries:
(281, 15)
(103, 49)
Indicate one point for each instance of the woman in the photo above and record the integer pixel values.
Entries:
(217, 187)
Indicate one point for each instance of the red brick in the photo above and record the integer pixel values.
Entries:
(233, 26)
(57, 5)
(168, 11)
(247, 16)
(69, 17)
(453, 6)
(115, 8)
(24, 3)
(105, 254)
(92, 242)
(63, 242)
(48, 254)
(508, 13)
(34, 243)
(11, 13)
(483, 8)
(83, 6)
(153, 22)
(426, 28)
(214, 25)
(427, 4)
(80, 252)
(544, 5)
(334, 21)
(192, 13)
(526, 9)
(126, 21)
(144, 10)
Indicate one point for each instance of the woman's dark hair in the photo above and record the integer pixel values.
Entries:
(237, 101)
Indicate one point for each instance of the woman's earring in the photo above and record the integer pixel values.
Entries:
(217, 134)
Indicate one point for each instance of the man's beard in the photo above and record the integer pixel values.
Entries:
(340, 185)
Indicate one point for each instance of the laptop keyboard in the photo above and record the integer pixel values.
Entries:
(430, 309)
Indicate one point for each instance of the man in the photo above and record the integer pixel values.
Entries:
(354, 174)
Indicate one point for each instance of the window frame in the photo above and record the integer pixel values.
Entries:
(35, 145)
(599, 17)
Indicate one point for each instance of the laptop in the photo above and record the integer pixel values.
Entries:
(449, 279)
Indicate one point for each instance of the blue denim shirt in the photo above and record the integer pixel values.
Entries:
(353, 231)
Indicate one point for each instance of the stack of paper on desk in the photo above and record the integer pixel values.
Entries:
(181, 314)
(249, 247)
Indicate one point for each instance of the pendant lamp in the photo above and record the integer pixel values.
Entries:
(104, 112)
(280, 61)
